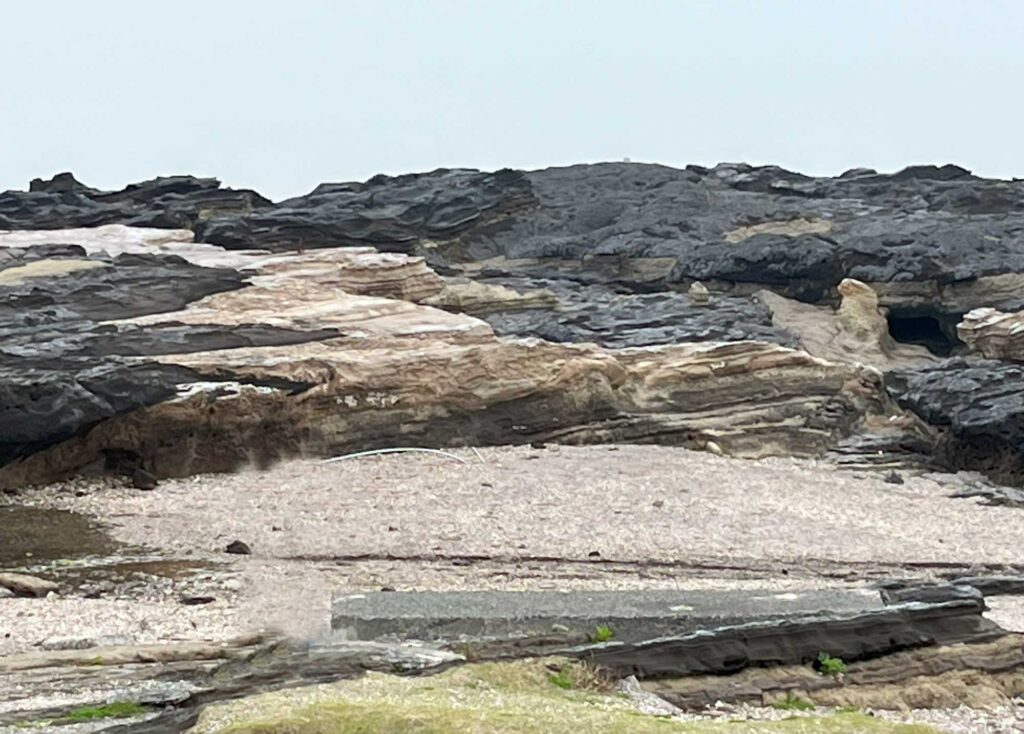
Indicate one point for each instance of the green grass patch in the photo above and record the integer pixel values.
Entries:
(489, 698)
(828, 665)
(561, 680)
(603, 633)
(117, 710)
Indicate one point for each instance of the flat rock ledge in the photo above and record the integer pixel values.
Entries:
(734, 647)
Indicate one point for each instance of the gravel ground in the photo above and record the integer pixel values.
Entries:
(514, 518)
(630, 503)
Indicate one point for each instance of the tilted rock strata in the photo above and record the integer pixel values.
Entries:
(280, 355)
(599, 254)
(979, 675)
(798, 640)
(336, 395)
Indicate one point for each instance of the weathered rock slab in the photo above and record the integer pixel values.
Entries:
(631, 615)
(798, 640)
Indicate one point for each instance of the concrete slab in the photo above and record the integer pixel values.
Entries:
(633, 615)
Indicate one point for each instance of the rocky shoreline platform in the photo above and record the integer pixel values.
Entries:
(712, 444)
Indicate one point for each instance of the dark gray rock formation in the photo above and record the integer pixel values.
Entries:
(862, 636)
(537, 619)
(618, 244)
(734, 223)
(979, 407)
(390, 213)
(172, 201)
(617, 317)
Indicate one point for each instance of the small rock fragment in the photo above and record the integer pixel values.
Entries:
(698, 294)
(142, 479)
(238, 548)
(196, 600)
(893, 478)
(24, 585)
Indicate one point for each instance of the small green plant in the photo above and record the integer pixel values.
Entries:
(828, 665)
(116, 710)
(793, 703)
(603, 633)
(561, 680)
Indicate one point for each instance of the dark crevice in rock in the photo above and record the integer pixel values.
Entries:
(934, 330)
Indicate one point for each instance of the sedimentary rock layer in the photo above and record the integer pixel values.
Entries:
(994, 334)
(798, 641)
(180, 358)
(332, 295)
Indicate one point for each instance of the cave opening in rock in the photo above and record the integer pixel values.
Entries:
(936, 332)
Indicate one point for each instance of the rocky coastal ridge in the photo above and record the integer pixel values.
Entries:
(179, 327)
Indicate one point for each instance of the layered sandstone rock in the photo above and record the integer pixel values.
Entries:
(856, 332)
(105, 322)
(213, 359)
(994, 334)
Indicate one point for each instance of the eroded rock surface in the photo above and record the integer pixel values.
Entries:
(293, 317)
(171, 201)
(979, 407)
(994, 334)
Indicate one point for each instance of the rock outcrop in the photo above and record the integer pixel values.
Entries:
(417, 295)
(172, 201)
(207, 359)
(978, 407)
(994, 334)
(856, 332)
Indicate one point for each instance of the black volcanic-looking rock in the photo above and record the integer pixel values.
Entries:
(734, 223)
(616, 245)
(600, 314)
(981, 405)
(392, 214)
(171, 201)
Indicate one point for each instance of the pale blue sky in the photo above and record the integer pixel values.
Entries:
(279, 96)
